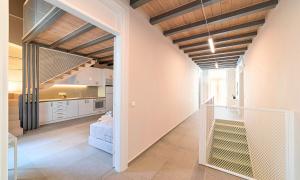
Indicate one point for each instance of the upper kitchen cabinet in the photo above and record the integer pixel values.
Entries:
(90, 77)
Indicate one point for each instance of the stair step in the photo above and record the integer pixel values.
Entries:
(238, 123)
(231, 149)
(229, 132)
(230, 125)
(231, 161)
(232, 166)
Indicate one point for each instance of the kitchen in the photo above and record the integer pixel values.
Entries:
(89, 92)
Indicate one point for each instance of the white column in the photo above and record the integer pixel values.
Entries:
(3, 90)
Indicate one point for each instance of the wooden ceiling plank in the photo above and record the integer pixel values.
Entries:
(220, 52)
(83, 29)
(93, 42)
(100, 51)
(219, 46)
(47, 21)
(224, 17)
(187, 8)
(221, 40)
(221, 31)
(227, 55)
(137, 3)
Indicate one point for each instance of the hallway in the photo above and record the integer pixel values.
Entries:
(174, 157)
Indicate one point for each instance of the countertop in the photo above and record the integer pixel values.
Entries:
(68, 99)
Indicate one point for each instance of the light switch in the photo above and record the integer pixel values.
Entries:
(132, 103)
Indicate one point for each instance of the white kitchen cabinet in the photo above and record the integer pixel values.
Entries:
(72, 108)
(45, 112)
(56, 111)
(90, 77)
(85, 107)
(59, 110)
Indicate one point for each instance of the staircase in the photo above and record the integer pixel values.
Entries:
(229, 147)
(66, 74)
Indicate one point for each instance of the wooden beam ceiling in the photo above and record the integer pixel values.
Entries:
(220, 66)
(218, 52)
(227, 55)
(93, 42)
(85, 28)
(219, 46)
(100, 51)
(45, 24)
(181, 10)
(221, 31)
(224, 17)
(221, 40)
(218, 59)
(137, 3)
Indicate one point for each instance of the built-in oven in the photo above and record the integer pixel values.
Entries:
(99, 104)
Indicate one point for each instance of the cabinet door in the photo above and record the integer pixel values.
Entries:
(72, 108)
(85, 107)
(45, 112)
(97, 76)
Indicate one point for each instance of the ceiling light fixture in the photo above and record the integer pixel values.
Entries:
(217, 65)
(210, 39)
(211, 45)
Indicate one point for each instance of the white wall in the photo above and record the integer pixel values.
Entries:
(163, 83)
(271, 73)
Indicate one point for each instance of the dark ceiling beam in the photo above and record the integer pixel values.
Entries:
(219, 56)
(106, 61)
(217, 59)
(137, 3)
(221, 61)
(106, 57)
(222, 31)
(83, 29)
(220, 67)
(181, 10)
(224, 17)
(47, 21)
(221, 40)
(100, 51)
(219, 52)
(219, 46)
(214, 64)
(93, 42)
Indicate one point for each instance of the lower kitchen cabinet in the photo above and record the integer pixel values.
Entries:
(86, 107)
(45, 112)
(65, 110)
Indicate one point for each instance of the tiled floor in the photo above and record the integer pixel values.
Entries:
(174, 157)
(63, 153)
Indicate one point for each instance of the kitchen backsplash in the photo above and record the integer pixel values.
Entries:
(53, 92)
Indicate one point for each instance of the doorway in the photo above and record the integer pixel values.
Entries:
(120, 127)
